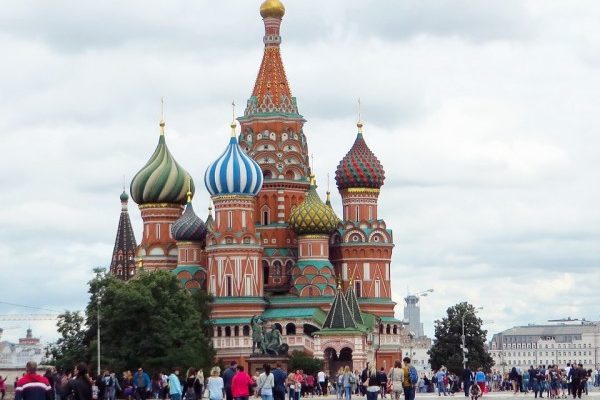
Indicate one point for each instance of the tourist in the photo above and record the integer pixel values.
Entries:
(266, 383)
(228, 378)
(513, 376)
(110, 386)
(175, 390)
(347, 379)
(480, 379)
(127, 385)
(321, 381)
(2, 387)
(32, 386)
(440, 377)
(298, 383)
(215, 385)
(141, 384)
(279, 376)
(467, 379)
(372, 382)
(407, 384)
(339, 386)
(155, 384)
(240, 384)
(79, 388)
(384, 380)
(291, 385)
(200, 380)
(310, 384)
(395, 377)
(190, 387)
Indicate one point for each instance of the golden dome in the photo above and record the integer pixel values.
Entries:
(272, 8)
(312, 216)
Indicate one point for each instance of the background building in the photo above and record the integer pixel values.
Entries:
(567, 341)
(16, 355)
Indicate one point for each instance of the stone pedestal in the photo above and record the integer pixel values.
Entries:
(256, 362)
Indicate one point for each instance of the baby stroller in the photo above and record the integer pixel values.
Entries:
(475, 392)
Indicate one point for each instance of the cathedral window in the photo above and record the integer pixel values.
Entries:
(244, 219)
(229, 286)
(265, 216)
(236, 331)
(358, 288)
(246, 330)
(158, 231)
(265, 272)
(227, 331)
(378, 289)
(266, 147)
(229, 219)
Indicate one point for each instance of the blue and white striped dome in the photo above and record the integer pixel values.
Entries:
(234, 172)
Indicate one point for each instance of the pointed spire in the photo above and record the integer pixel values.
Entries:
(233, 124)
(162, 117)
(359, 123)
(122, 261)
(339, 316)
(352, 301)
(189, 192)
(271, 93)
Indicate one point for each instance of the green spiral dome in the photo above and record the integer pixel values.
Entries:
(312, 216)
(162, 179)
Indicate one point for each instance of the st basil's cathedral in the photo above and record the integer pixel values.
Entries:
(272, 247)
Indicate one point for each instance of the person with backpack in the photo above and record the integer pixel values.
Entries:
(409, 379)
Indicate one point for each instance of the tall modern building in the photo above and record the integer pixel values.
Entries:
(412, 315)
(273, 247)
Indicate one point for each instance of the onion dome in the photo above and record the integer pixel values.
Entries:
(313, 216)
(162, 180)
(189, 227)
(359, 168)
(272, 8)
(124, 196)
(234, 172)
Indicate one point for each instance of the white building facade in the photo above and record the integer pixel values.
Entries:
(555, 344)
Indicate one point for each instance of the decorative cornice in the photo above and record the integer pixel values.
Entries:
(314, 237)
(361, 190)
(225, 197)
(160, 205)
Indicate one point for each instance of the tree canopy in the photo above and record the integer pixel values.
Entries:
(70, 348)
(148, 321)
(447, 350)
(305, 362)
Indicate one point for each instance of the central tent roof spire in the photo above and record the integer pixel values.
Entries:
(271, 93)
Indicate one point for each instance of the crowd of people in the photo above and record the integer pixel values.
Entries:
(234, 383)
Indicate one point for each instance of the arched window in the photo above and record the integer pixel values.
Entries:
(290, 329)
(380, 328)
(278, 327)
(246, 330)
(236, 331)
(395, 329)
(265, 216)
(227, 331)
(267, 174)
(219, 331)
(387, 329)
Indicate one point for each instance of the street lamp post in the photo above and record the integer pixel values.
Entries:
(464, 345)
(98, 272)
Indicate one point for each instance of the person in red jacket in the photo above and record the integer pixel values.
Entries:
(240, 384)
(32, 386)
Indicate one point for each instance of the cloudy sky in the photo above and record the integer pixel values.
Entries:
(484, 115)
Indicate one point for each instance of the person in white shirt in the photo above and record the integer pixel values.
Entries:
(215, 385)
(321, 380)
(265, 384)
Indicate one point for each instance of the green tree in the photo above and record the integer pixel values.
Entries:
(70, 348)
(447, 350)
(149, 321)
(305, 362)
